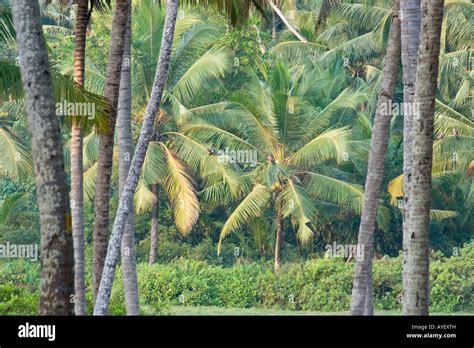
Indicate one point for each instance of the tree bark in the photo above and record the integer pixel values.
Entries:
(416, 299)
(57, 261)
(410, 36)
(285, 20)
(274, 27)
(106, 142)
(155, 211)
(77, 166)
(279, 236)
(375, 170)
(369, 292)
(124, 127)
(146, 134)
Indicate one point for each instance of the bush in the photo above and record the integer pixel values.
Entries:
(317, 285)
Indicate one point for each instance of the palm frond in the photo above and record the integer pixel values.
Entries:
(251, 207)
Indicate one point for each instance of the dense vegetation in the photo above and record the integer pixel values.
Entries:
(305, 108)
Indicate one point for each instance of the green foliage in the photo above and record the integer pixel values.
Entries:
(317, 285)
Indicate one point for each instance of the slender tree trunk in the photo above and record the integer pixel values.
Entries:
(106, 142)
(369, 292)
(410, 36)
(274, 26)
(77, 167)
(416, 299)
(124, 127)
(57, 252)
(155, 211)
(285, 20)
(375, 170)
(146, 134)
(279, 236)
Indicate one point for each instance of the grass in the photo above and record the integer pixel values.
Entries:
(212, 310)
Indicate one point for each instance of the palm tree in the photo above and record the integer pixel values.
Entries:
(101, 306)
(286, 120)
(416, 299)
(124, 126)
(361, 302)
(410, 37)
(57, 261)
(196, 66)
(77, 195)
(106, 142)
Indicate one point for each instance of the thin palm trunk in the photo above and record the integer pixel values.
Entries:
(155, 211)
(416, 299)
(410, 36)
(77, 195)
(279, 236)
(146, 134)
(274, 27)
(375, 170)
(285, 20)
(106, 142)
(124, 127)
(57, 252)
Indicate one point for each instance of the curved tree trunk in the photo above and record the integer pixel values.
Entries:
(106, 142)
(57, 260)
(375, 170)
(416, 299)
(124, 127)
(155, 211)
(146, 134)
(410, 35)
(279, 236)
(77, 187)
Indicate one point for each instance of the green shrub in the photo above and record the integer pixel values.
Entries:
(16, 300)
(317, 285)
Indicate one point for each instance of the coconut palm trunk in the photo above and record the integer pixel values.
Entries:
(155, 211)
(77, 136)
(106, 142)
(410, 35)
(57, 254)
(146, 134)
(416, 299)
(124, 127)
(285, 20)
(375, 170)
(279, 236)
(274, 27)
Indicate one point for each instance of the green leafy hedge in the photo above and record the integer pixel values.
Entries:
(317, 285)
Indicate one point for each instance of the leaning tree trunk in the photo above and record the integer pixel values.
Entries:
(124, 127)
(375, 170)
(410, 14)
(279, 236)
(57, 260)
(155, 211)
(106, 142)
(146, 134)
(285, 20)
(77, 187)
(416, 299)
